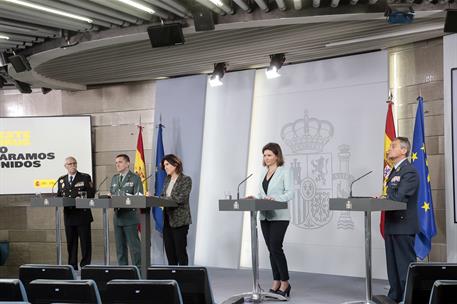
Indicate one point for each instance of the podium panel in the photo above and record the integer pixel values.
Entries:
(85, 203)
(134, 201)
(368, 204)
(52, 202)
(250, 205)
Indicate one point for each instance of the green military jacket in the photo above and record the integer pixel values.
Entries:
(130, 185)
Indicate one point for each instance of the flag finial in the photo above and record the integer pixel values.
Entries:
(160, 122)
(390, 98)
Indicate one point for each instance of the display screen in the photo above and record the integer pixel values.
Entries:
(33, 151)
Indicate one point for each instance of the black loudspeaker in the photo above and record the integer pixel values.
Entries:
(203, 18)
(450, 25)
(166, 34)
(19, 63)
(23, 87)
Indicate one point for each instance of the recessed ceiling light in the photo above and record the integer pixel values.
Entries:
(50, 10)
(139, 6)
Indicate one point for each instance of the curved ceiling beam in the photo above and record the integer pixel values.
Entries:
(130, 35)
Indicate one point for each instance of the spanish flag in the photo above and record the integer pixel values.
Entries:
(389, 135)
(140, 164)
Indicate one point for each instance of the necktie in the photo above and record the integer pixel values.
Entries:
(120, 179)
(71, 180)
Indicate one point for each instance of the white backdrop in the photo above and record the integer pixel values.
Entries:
(329, 118)
(33, 150)
(224, 163)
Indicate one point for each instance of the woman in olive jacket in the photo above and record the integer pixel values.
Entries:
(177, 187)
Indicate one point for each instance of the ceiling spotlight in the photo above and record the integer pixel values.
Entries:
(4, 37)
(276, 62)
(215, 80)
(402, 13)
(45, 90)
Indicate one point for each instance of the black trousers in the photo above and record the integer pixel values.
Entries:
(175, 242)
(73, 232)
(399, 254)
(273, 233)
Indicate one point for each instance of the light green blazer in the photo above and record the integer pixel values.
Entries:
(280, 189)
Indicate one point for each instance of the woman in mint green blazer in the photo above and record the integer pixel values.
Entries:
(276, 185)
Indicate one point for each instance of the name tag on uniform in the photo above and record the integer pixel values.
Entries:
(80, 184)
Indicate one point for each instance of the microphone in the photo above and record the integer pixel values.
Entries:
(98, 188)
(52, 189)
(142, 181)
(148, 177)
(350, 192)
(242, 182)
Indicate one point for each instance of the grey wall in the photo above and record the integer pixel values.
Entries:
(181, 104)
(419, 70)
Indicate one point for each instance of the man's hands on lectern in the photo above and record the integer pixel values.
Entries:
(380, 197)
(250, 197)
(269, 198)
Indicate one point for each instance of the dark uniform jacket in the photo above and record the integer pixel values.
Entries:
(130, 185)
(81, 182)
(179, 216)
(403, 186)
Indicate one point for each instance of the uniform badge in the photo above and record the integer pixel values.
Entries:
(80, 184)
(61, 181)
(395, 179)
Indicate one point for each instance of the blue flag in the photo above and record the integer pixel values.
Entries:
(160, 179)
(426, 216)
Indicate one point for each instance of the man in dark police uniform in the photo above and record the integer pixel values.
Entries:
(77, 221)
(401, 225)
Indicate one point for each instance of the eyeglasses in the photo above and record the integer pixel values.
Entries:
(71, 164)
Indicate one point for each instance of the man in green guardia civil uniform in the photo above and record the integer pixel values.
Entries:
(126, 220)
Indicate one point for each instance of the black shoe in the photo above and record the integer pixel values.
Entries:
(273, 290)
(284, 293)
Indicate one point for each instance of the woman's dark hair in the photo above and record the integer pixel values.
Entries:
(174, 161)
(276, 149)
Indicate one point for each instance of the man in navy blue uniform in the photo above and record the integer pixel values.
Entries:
(77, 221)
(401, 226)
